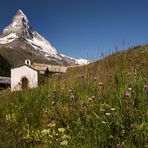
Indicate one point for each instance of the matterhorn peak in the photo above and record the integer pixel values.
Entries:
(20, 14)
(20, 26)
(19, 34)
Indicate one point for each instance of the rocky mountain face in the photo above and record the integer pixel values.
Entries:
(21, 42)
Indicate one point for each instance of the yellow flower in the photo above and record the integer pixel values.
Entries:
(66, 137)
(45, 131)
(52, 125)
(61, 130)
(65, 142)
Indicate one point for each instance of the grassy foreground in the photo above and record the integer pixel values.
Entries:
(102, 105)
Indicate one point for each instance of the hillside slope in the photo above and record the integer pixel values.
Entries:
(103, 104)
(4, 67)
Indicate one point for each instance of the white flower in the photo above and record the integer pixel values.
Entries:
(108, 114)
(112, 109)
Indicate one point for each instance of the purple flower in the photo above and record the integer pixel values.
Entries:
(91, 98)
(145, 86)
(127, 94)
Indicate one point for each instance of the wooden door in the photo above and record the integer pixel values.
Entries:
(24, 83)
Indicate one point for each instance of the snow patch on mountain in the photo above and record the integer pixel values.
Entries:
(8, 39)
(40, 43)
(77, 61)
(82, 61)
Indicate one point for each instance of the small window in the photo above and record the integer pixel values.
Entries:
(28, 62)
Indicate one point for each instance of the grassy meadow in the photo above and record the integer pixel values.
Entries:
(101, 105)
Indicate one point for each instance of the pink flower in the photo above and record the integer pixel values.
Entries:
(95, 78)
(93, 97)
(127, 94)
(145, 86)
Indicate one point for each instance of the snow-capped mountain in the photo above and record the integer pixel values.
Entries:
(20, 37)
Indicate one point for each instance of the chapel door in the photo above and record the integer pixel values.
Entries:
(24, 83)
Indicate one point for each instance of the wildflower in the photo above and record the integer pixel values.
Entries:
(95, 78)
(89, 99)
(105, 106)
(70, 91)
(145, 86)
(107, 114)
(52, 125)
(11, 117)
(66, 137)
(53, 103)
(93, 97)
(45, 131)
(112, 109)
(100, 83)
(129, 89)
(61, 130)
(127, 94)
(65, 142)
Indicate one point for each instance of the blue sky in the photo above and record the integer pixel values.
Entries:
(83, 28)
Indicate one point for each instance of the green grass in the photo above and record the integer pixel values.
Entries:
(103, 104)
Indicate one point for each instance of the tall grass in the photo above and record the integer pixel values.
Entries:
(104, 104)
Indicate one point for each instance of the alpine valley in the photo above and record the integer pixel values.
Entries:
(19, 42)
